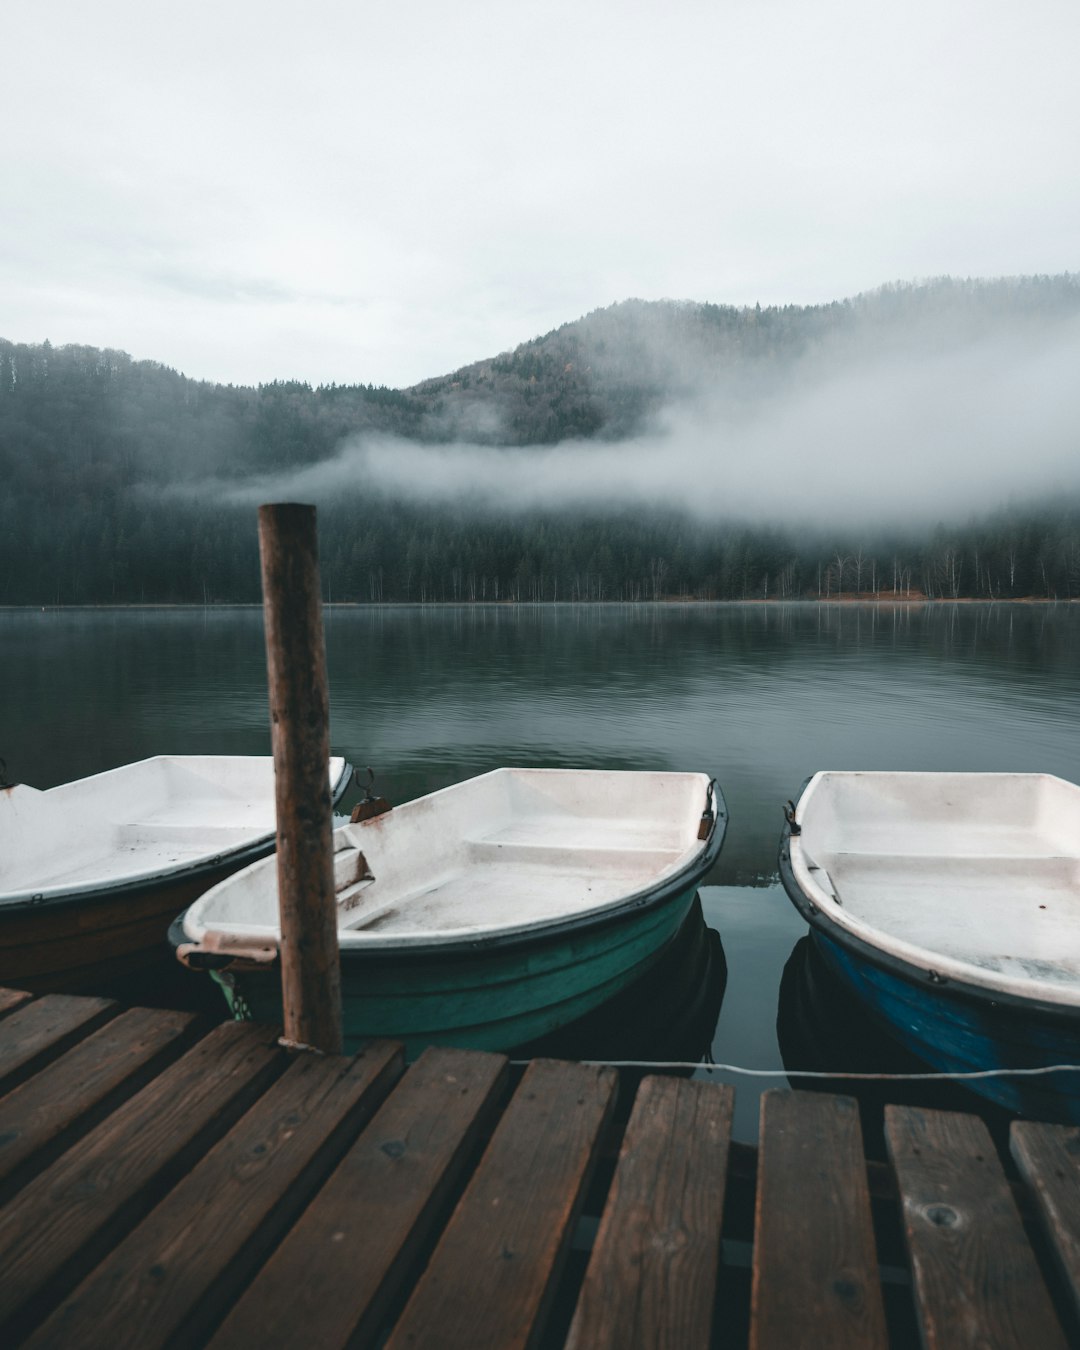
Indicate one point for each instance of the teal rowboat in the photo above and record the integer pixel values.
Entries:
(487, 914)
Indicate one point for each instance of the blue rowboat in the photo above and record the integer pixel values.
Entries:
(950, 905)
(823, 1027)
(485, 915)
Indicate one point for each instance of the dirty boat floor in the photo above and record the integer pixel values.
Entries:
(164, 1184)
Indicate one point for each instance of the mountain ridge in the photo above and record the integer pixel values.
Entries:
(126, 480)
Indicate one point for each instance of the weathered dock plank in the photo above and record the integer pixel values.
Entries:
(10, 999)
(815, 1278)
(175, 1275)
(651, 1280)
(492, 1275)
(329, 1282)
(38, 1032)
(161, 1190)
(1048, 1157)
(72, 1093)
(975, 1277)
(64, 1221)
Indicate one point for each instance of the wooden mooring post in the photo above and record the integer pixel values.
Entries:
(300, 729)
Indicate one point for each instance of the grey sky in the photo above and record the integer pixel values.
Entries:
(383, 192)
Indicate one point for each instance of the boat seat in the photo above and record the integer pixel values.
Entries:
(574, 855)
(582, 833)
(938, 841)
(1023, 871)
(149, 834)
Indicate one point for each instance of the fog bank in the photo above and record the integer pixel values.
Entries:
(903, 436)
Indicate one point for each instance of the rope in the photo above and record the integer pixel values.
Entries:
(965, 1076)
(241, 1009)
(286, 1044)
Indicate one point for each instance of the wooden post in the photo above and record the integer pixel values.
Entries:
(300, 717)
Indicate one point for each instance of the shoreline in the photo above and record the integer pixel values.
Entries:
(670, 602)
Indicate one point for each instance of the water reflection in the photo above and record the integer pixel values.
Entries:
(667, 1015)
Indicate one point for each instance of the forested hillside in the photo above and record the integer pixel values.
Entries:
(124, 481)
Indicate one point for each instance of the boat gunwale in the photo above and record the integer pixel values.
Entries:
(426, 946)
(935, 985)
(160, 878)
(431, 954)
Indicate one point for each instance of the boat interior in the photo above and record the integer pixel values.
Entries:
(506, 850)
(982, 870)
(142, 819)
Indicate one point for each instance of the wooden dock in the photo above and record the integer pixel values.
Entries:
(165, 1183)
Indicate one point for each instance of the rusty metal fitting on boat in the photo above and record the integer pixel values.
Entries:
(708, 816)
(371, 805)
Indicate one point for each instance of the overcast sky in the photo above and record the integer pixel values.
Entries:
(383, 192)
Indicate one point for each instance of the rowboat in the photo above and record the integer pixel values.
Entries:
(823, 1028)
(92, 871)
(950, 905)
(486, 914)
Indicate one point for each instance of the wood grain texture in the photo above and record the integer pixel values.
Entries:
(10, 999)
(65, 1220)
(975, 1277)
(815, 1279)
(71, 1093)
(300, 735)
(651, 1281)
(173, 1277)
(490, 1280)
(1048, 1157)
(330, 1280)
(38, 1032)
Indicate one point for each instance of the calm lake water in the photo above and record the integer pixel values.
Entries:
(758, 695)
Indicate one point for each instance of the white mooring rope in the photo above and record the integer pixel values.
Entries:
(696, 1065)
